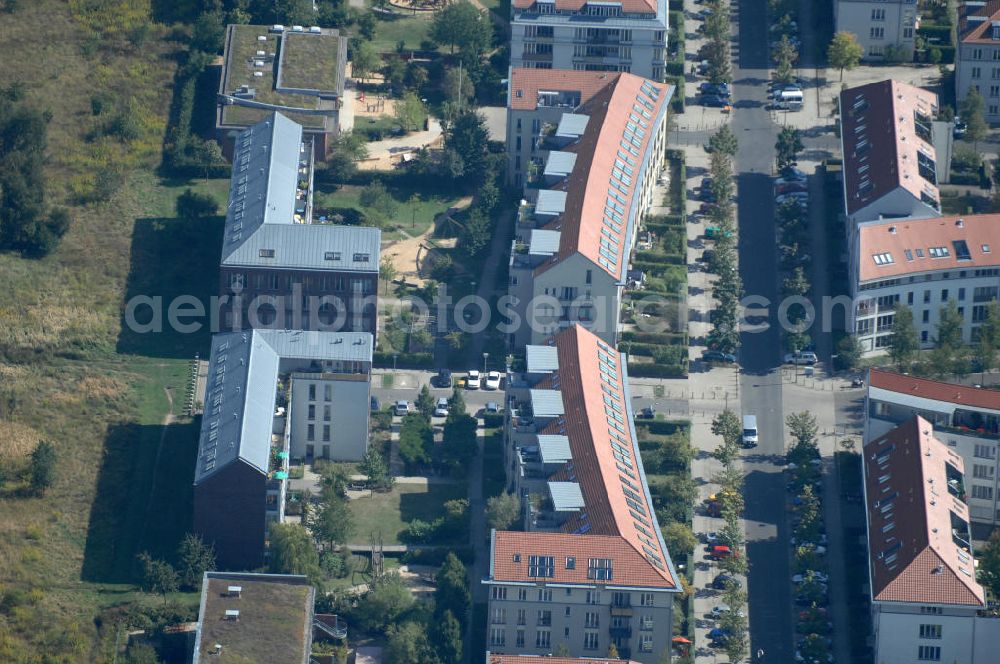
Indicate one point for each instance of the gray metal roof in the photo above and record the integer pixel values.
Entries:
(572, 125)
(541, 359)
(308, 245)
(566, 496)
(242, 380)
(559, 163)
(554, 448)
(262, 204)
(544, 242)
(314, 345)
(550, 202)
(547, 403)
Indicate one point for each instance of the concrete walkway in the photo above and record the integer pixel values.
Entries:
(387, 149)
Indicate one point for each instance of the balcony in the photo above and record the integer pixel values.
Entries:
(956, 482)
(620, 632)
(624, 610)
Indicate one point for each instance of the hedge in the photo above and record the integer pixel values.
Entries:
(436, 556)
(651, 370)
(659, 257)
(655, 268)
(659, 338)
(492, 420)
(176, 159)
(931, 32)
(662, 427)
(677, 103)
(404, 360)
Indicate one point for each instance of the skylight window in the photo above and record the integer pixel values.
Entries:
(986, 248)
(267, 253)
(938, 252)
(541, 566)
(883, 259)
(961, 250)
(909, 254)
(331, 256)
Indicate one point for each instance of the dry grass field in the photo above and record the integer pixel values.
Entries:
(67, 373)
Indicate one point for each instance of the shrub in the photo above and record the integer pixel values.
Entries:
(651, 370)
(192, 205)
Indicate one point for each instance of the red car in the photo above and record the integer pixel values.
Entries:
(719, 552)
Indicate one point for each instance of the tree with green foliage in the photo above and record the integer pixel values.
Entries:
(448, 638)
(43, 466)
(809, 515)
(456, 402)
(377, 200)
(409, 643)
(903, 342)
(948, 355)
(410, 112)
(208, 31)
(364, 59)
(157, 576)
(468, 136)
(785, 56)
(394, 73)
(293, 551)
(476, 233)
(727, 425)
(452, 592)
(333, 480)
(723, 141)
(788, 147)
(502, 511)
(192, 205)
(385, 604)
(973, 114)
(425, 402)
(844, 52)
(803, 428)
(988, 571)
(206, 153)
(416, 439)
(194, 558)
(463, 26)
(679, 538)
(332, 522)
(141, 653)
(848, 352)
(988, 338)
(374, 467)
(459, 436)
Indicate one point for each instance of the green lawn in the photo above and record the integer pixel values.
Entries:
(411, 30)
(390, 512)
(411, 219)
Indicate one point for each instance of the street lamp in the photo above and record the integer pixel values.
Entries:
(485, 357)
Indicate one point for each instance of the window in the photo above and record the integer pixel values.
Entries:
(982, 492)
(544, 595)
(267, 253)
(977, 54)
(995, 90)
(545, 618)
(543, 638)
(961, 294)
(909, 297)
(498, 592)
(590, 640)
(929, 653)
(592, 619)
(326, 433)
(621, 600)
(944, 294)
(311, 432)
(930, 631)
(312, 411)
(646, 643)
(646, 599)
(907, 33)
(925, 316)
(985, 452)
(646, 623)
(312, 392)
(931, 610)
(541, 566)
(498, 636)
(362, 258)
(977, 72)
(877, 33)
(979, 471)
(522, 594)
(519, 638)
(326, 413)
(878, 14)
(593, 597)
(331, 255)
(599, 569)
(498, 616)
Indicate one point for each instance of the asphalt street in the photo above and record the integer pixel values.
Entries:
(760, 389)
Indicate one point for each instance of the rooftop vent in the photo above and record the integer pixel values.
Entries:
(216, 649)
(234, 591)
(892, 229)
(960, 223)
(232, 614)
(938, 570)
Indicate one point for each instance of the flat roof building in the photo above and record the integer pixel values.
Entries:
(280, 268)
(271, 395)
(299, 72)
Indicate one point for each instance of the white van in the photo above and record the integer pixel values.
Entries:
(749, 431)
(789, 100)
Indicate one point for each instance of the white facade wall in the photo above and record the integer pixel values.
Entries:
(878, 24)
(336, 417)
(641, 633)
(557, 41)
(979, 65)
(899, 203)
(595, 305)
(964, 637)
(924, 294)
(524, 127)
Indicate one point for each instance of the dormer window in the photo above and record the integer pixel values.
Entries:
(362, 258)
(267, 253)
(331, 256)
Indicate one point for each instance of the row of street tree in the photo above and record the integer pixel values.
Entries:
(728, 287)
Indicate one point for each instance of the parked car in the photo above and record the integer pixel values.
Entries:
(647, 413)
(790, 173)
(718, 89)
(376, 404)
(790, 187)
(492, 381)
(806, 357)
(959, 129)
(712, 538)
(473, 380)
(441, 409)
(721, 580)
(442, 378)
(714, 101)
(492, 408)
(800, 197)
(401, 408)
(718, 356)
(707, 256)
(719, 551)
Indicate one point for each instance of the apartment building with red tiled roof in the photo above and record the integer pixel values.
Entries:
(597, 162)
(923, 264)
(609, 35)
(590, 568)
(965, 418)
(926, 603)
